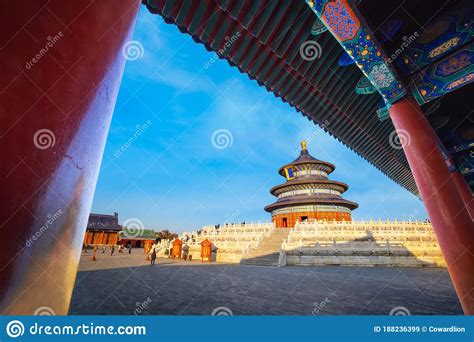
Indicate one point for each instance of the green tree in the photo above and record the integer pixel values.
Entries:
(166, 234)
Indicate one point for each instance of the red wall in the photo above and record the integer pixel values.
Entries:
(291, 218)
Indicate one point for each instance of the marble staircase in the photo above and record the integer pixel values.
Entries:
(268, 252)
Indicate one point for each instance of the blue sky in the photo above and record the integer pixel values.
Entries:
(160, 164)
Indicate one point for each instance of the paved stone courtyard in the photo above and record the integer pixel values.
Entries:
(126, 284)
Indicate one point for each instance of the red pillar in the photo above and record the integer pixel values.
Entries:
(465, 192)
(61, 67)
(452, 224)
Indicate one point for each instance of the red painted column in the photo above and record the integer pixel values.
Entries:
(61, 67)
(465, 192)
(452, 224)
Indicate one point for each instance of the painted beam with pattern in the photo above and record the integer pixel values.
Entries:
(444, 76)
(346, 24)
(448, 32)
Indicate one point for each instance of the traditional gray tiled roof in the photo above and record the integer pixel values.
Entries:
(103, 222)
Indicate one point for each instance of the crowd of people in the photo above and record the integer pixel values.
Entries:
(150, 251)
(104, 248)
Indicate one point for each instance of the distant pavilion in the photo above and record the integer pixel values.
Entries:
(137, 238)
(308, 193)
(102, 229)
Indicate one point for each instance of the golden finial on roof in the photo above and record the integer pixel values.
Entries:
(303, 145)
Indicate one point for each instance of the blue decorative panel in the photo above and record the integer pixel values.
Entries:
(444, 76)
(446, 33)
(347, 26)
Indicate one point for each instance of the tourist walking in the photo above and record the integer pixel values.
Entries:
(169, 247)
(112, 250)
(153, 257)
(130, 249)
(93, 256)
(185, 252)
(155, 248)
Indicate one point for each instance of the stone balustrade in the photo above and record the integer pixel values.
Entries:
(232, 241)
(369, 243)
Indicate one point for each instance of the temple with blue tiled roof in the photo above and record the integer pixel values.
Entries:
(308, 194)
